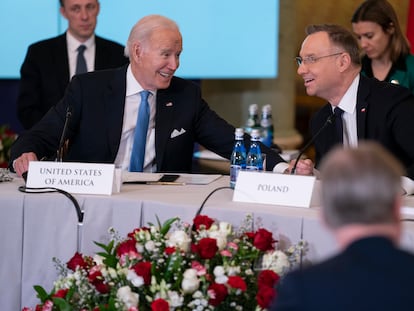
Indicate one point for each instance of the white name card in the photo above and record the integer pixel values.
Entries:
(73, 177)
(271, 188)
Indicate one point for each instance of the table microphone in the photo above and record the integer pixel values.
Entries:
(329, 120)
(59, 151)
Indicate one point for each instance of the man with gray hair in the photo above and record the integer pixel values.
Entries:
(361, 199)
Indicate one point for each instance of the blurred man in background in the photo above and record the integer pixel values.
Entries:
(361, 199)
(50, 64)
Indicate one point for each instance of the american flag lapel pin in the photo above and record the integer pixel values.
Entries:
(363, 109)
(169, 104)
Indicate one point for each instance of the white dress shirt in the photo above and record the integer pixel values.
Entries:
(132, 103)
(349, 117)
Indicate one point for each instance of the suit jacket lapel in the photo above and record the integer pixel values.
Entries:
(114, 105)
(163, 123)
(61, 61)
(362, 107)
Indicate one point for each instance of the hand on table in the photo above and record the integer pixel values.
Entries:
(21, 164)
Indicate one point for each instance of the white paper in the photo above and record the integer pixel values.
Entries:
(197, 179)
(140, 177)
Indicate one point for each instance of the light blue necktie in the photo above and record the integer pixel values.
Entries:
(80, 61)
(140, 136)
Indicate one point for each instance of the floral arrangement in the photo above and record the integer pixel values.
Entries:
(206, 266)
(7, 137)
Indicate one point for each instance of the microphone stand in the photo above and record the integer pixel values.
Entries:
(328, 121)
(61, 148)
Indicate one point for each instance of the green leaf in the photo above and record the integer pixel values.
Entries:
(62, 304)
(41, 293)
(167, 225)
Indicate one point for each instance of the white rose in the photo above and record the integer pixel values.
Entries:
(135, 279)
(175, 299)
(190, 282)
(127, 297)
(98, 259)
(220, 277)
(150, 246)
(221, 238)
(179, 239)
(276, 261)
(225, 227)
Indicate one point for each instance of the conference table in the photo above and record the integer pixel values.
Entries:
(36, 227)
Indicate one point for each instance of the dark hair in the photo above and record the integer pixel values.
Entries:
(360, 185)
(382, 13)
(61, 3)
(340, 37)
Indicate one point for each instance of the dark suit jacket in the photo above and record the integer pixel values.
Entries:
(98, 99)
(45, 74)
(385, 113)
(371, 274)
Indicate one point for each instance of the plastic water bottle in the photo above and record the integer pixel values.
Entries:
(253, 119)
(238, 157)
(266, 124)
(254, 157)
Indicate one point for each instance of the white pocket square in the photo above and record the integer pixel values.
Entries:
(176, 132)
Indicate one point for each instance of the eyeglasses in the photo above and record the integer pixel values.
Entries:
(312, 59)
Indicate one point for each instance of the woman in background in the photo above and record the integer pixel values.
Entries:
(386, 49)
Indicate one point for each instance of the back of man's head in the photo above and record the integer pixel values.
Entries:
(360, 186)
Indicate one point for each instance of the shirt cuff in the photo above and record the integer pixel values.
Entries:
(407, 184)
(280, 167)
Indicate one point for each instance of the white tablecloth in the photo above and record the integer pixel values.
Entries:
(37, 227)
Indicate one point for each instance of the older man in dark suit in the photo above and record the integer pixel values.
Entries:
(358, 108)
(50, 64)
(361, 198)
(106, 112)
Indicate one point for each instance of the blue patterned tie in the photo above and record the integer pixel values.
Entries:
(80, 61)
(140, 136)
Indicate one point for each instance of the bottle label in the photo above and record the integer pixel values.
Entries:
(234, 172)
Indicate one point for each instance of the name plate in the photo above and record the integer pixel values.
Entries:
(73, 177)
(271, 188)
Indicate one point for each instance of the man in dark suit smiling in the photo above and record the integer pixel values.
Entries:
(50, 64)
(361, 199)
(106, 112)
(329, 64)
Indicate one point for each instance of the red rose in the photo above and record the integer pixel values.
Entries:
(102, 287)
(143, 269)
(160, 305)
(267, 278)
(250, 235)
(263, 240)
(76, 261)
(265, 296)
(125, 247)
(61, 293)
(95, 277)
(169, 250)
(202, 220)
(237, 282)
(207, 248)
(217, 293)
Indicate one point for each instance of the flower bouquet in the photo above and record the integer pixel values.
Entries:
(7, 137)
(206, 266)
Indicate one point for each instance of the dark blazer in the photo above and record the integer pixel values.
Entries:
(98, 99)
(385, 113)
(44, 74)
(371, 274)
